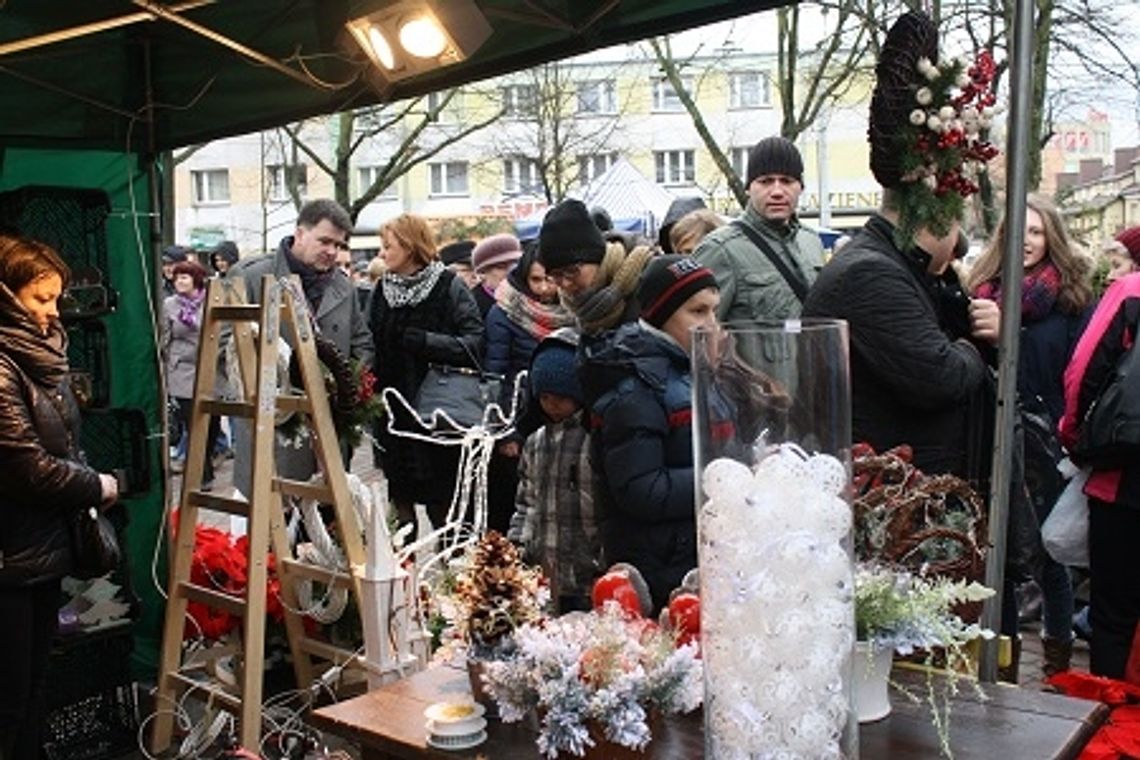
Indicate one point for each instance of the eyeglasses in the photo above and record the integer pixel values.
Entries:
(565, 274)
(340, 245)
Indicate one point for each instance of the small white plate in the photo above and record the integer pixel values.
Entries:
(443, 742)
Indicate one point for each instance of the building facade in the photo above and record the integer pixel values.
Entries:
(562, 125)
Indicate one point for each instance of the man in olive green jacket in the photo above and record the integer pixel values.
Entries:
(752, 287)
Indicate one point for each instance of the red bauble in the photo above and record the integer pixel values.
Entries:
(685, 613)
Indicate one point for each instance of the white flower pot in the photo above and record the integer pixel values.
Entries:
(870, 673)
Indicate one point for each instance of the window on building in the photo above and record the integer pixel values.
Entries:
(597, 97)
(665, 98)
(739, 158)
(452, 112)
(594, 165)
(749, 89)
(521, 177)
(520, 100)
(366, 175)
(675, 167)
(278, 177)
(211, 185)
(448, 178)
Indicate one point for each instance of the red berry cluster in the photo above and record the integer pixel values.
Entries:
(981, 75)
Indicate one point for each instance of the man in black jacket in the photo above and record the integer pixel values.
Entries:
(919, 347)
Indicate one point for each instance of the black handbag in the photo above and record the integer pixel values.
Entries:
(460, 393)
(94, 545)
(1110, 433)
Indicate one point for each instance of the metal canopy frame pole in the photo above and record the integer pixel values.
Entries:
(1012, 270)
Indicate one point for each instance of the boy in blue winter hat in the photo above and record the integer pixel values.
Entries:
(554, 519)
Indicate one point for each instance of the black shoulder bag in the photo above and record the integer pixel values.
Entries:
(795, 280)
(1110, 433)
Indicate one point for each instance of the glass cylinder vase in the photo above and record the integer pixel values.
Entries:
(772, 441)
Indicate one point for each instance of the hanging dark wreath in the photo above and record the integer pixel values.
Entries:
(340, 385)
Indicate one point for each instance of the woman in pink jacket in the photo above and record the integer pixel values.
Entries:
(1114, 495)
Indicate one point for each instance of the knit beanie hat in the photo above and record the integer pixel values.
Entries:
(669, 281)
(601, 219)
(775, 155)
(553, 369)
(569, 236)
(503, 248)
(1130, 239)
(458, 252)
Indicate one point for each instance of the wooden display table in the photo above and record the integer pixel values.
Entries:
(1014, 723)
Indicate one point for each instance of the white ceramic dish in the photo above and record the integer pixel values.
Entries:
(457, 742)
(466, 728)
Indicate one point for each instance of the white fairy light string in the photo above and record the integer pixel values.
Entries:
(759, 601)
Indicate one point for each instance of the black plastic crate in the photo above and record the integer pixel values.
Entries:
(72, 220)
(90, 362)
(116, 440)
(91, 711)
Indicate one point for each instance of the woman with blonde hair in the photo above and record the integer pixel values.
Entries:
(420, 314)
(1056, 298)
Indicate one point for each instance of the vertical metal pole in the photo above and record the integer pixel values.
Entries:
(1012, 270)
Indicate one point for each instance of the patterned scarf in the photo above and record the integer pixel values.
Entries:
(1039, 291)
(601, 307)
(400, 290)
(536, 318)
(190, 308)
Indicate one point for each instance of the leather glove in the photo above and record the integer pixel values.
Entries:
(414, 339)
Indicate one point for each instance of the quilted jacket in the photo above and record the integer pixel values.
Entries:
(43, 481)
(913, 369)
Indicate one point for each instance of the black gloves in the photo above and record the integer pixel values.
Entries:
(414, 339)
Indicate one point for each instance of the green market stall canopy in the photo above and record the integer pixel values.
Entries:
(143, 76)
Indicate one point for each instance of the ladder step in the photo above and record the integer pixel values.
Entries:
(304, 490)
(333, 654)
(205, 500)
(218, 600)
(292, 402)
(236, 313)
(317, 573)
(207, 690)
(220, 408)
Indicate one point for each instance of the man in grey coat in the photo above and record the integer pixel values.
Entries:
(323, 228)
(752, 286)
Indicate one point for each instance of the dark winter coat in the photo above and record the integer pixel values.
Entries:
(638, 389)
(451, 326)
(509, 346)
(1046, 347)
(43, 481)
(483, 299)
(914, 372)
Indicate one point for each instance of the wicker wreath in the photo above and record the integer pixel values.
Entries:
(340, 380)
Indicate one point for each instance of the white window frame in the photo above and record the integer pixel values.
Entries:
(204, 191)
(593, 165)
(520, 101)
(442, 183)
(675, 167)
(521, 176)
(276, 185)
(597, 97)
(742, 83)
(366, 175)
(665, 98)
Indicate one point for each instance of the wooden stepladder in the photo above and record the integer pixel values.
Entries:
(281, 307)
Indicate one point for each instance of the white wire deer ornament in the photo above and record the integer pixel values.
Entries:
(476, 445)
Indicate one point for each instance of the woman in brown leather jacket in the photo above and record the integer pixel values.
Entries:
(43, 482)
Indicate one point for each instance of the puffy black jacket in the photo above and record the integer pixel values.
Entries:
(638, 389)
(42, 480)
(913, 370)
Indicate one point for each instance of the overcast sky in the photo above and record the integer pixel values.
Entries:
(757, 33)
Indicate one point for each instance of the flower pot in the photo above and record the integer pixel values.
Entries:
(479, 691)
(869, 679)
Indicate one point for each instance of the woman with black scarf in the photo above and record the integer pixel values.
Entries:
(43, 482)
